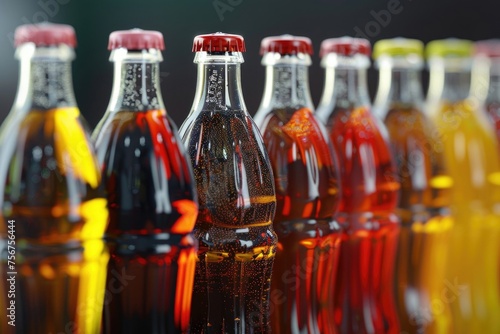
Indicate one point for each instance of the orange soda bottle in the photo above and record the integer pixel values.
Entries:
(306, 178)
(364, 296)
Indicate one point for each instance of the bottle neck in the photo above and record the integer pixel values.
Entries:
(450, 80)
(493, 95)
(399, 86)
(219, 82)
(136, 83)
(345, 83)
(287, 83)
(345, 87)
(45, 80)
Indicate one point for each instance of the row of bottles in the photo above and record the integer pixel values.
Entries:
(339, 220)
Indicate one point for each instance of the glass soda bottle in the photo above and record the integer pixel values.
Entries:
(423, 207)
(237, 202)
(487, 54)
(364, 290)
(151, 196)
(306, 180)
(471, 156)
(53, 209)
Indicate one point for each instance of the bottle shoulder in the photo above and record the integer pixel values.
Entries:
(49, 175)
(57, 138)
(467, 118)
(225, 130)
(298, 137)
(305, 166)
(143, 143)
(359, 124)
(146, 173)
(410, 123)
(366, 163)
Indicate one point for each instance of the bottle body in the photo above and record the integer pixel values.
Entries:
(309, 239)
(152, 210)
(306, 180)
(367, 213)
(425, 221)
(472, 263)
(237, 243)
(364, 290)
(470, 151)
(152, 203)
(52, 202)
(423, 206)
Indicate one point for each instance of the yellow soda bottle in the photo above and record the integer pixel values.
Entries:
(53, 208)
(471, 155)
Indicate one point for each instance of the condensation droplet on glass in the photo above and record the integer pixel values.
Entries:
(37, 153)
(48, 150)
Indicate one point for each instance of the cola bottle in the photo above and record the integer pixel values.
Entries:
(237, 202)
(151, 196)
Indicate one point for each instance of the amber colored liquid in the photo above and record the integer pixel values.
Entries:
(237, 244)
(52, 193)
(472, 270)
(152, 211)
(422, 208)
(305, 178)
(364, 296)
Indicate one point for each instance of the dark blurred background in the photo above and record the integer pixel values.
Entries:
(181, 20)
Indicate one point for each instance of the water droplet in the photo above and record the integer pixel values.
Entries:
(37, 153)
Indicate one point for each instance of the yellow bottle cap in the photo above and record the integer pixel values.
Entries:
(450, 47)
(398, 47)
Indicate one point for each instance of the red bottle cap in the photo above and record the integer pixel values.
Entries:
(45, 34)
(219, 42)
(489, 48)
(345, 46)
(286, 45)
(136, 39)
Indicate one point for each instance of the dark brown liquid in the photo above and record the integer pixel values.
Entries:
(149, 285)
(237, 243)
(152, 212)
(305, 174)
